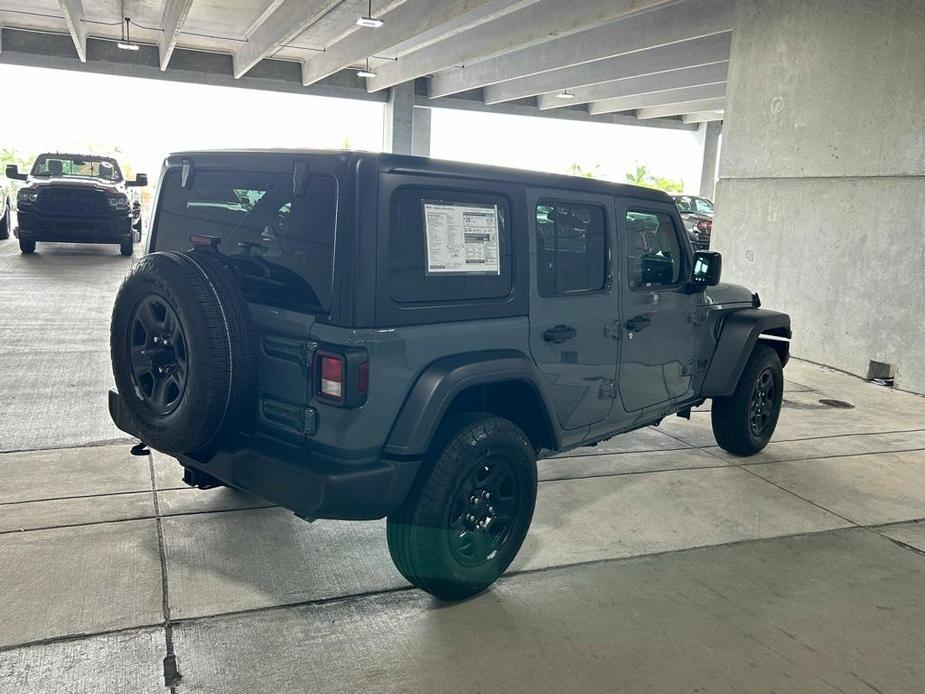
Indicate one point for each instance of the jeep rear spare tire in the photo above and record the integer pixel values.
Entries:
(183, 351)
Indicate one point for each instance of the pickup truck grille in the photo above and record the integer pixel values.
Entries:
(73, 202)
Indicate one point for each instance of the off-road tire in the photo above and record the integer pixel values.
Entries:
(732, 416)
(26, 247)
(219, 349)
(420, 533)
(127, 249)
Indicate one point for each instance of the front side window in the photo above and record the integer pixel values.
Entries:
(281, 244)
(571, 248)
(653, 249)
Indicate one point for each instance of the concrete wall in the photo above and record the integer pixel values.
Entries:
(821, 199)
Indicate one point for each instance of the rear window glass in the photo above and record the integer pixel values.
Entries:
(281, 244)
(448, 245)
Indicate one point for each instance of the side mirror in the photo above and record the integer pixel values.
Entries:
(12, 172)
(708, 266)
(141, 180)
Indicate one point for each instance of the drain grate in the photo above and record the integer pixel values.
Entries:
(841, 404)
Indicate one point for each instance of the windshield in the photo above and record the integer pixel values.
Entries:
(67, 166)
(688, 204)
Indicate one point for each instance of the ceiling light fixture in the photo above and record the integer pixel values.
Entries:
(565, 94)
(367, 72)
(126, 43)
(369, 21)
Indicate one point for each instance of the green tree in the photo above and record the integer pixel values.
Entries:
(641, 176)
(577, 169)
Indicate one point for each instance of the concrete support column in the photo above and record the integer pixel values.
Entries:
(399, 119)
(710, 154)
(420, 132)
(822, 176)
(406, 128)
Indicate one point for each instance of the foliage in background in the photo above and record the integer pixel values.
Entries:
(577, 169)
(641, 176)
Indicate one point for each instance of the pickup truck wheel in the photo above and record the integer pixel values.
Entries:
(26, 247)
(127, 248)
(5, 223)
(744, 422)
(182, 349)
(467, 516)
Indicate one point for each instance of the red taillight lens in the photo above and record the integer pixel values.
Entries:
(332, 377)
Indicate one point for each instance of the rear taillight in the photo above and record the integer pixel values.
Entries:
(332, 377)
(342, 377)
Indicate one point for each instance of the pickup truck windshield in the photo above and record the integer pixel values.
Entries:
(281, 244)
(66, 166)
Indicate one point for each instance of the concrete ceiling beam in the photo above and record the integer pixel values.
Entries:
(677, 56)
(175, 13)
(703, 117)
(403, 22)
(680, 109)
(679, 21)
(73, 15)
(699, 76)
(671, 96)
(290, 19)
(532, 25)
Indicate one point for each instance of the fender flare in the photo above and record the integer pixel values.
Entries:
(434, 390)
(739, 332)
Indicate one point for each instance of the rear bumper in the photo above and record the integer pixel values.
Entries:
(308, 485)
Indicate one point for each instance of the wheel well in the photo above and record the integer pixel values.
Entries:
(517, 401)
(782, 348)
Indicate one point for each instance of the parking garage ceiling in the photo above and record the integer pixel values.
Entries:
(660, 63)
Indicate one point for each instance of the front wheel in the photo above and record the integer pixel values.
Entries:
(26, 247)
(126, 248)
(744, 422)
(466, 518)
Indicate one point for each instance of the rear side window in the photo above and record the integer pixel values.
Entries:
(571, 248)
(281, 244)
(653, 249)
(448, 245)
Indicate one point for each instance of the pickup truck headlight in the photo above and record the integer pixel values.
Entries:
(119, 203)
(26, 197)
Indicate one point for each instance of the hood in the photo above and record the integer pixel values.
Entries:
(724, 293)
(40, 182)
(696, 216)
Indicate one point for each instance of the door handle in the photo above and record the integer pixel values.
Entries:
(637, 323)
(559, 334)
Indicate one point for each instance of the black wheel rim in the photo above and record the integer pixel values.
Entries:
(159, 357)
(484, 510)
(761, 410)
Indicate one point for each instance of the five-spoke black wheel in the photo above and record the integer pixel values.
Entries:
(744, 422)
(159, 358)
(466, 517)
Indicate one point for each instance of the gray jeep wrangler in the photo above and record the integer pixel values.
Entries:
(359, 336)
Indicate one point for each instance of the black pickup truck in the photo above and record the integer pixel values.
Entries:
(77, 198)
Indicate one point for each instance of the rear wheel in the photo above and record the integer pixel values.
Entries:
(744, 422)
(26, 247)
(466, 518)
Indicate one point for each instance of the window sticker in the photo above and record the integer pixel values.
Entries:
(462, 238)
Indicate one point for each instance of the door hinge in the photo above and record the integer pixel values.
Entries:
(614, 330)
(608, 390)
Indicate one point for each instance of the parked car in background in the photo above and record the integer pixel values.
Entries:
(6, 219)
(697, 215)
(77, 198)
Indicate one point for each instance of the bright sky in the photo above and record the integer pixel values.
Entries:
(147, 119)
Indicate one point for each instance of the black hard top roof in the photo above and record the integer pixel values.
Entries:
(423, 165)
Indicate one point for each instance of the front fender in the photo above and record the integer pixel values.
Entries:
(739, 334)
(433, 392)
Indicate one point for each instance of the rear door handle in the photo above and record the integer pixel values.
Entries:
(637, 323)
(559, 334)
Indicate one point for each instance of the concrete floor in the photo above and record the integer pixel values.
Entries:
(656, 561)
